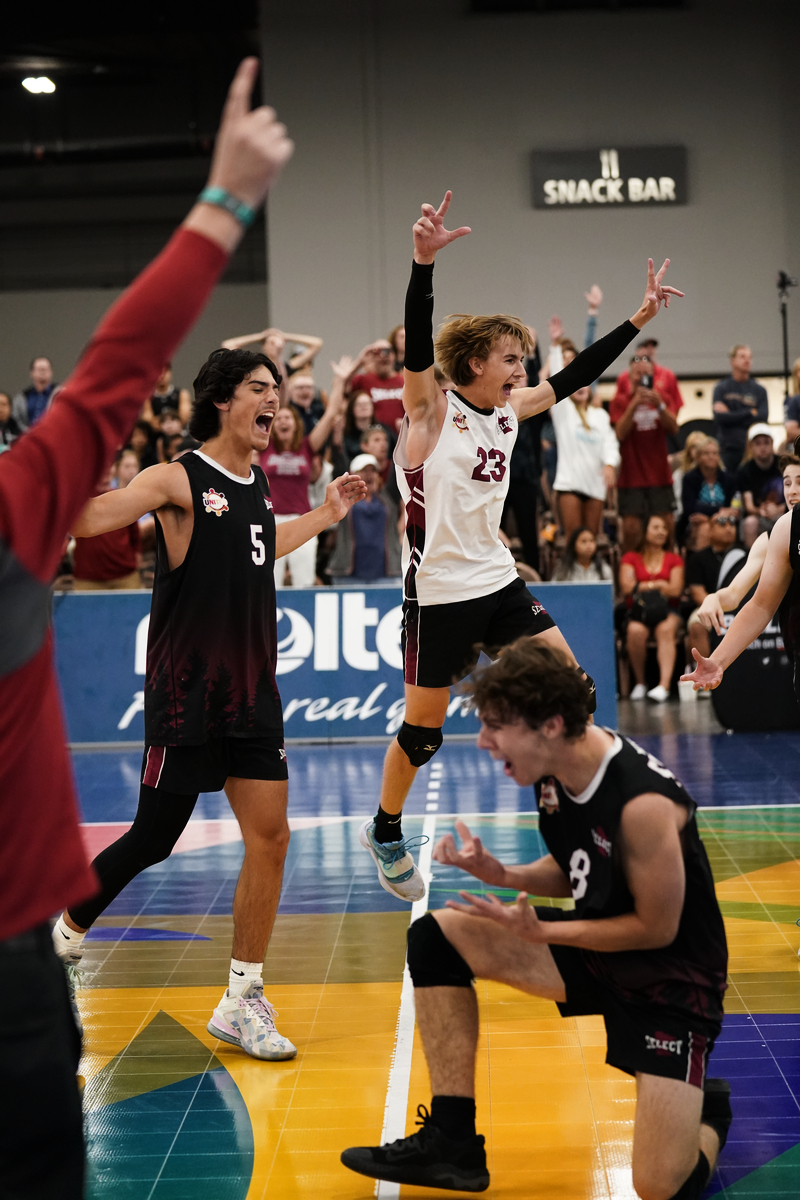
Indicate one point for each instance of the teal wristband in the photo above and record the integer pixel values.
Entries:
(222, 199)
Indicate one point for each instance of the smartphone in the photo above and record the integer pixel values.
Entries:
(646, 381)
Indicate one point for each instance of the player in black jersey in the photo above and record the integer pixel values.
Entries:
(645, 945)
(778, 591)
(213, 715)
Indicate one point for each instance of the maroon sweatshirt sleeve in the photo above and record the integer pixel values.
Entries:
(51, 472)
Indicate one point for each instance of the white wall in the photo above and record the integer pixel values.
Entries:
(60, 323)
(390, 103)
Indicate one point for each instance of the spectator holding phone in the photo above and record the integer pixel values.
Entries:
(643, 417)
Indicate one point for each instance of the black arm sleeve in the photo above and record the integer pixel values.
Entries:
(591, 362)
(419, 318)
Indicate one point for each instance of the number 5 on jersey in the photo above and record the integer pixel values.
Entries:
(259, 555)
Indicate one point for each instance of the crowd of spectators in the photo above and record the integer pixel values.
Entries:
(607, 492)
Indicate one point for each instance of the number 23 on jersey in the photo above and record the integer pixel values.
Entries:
(491, 466)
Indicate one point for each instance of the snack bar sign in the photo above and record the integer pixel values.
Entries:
(644, 176)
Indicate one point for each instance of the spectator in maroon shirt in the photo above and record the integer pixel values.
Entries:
(663, 380)
(382, 382)
(110, 561)
(643, 415)
(288, 464)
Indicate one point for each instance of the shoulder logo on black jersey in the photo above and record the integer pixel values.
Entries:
(268, 503)
(215, 502)
(504, 424)
(460, 422)
(548, 797)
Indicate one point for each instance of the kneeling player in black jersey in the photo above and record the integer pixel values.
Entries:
(645, 945)
(212, 712)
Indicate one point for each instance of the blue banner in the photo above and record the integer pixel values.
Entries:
(339, 662)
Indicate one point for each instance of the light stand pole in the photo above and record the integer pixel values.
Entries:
(784, 282)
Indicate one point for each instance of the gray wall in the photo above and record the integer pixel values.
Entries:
(390, 103)
(60, 323)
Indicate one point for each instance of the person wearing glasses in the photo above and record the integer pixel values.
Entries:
(643, 416)
(708, 570)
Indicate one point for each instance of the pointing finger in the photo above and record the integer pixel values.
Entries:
(662, 272)
(237, 103)
(443, 207)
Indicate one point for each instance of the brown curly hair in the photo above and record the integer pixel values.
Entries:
(534, 682)
(462, 337)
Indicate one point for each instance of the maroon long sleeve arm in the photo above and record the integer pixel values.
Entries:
(45, 480)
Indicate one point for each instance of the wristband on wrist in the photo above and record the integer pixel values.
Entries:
(217, 196)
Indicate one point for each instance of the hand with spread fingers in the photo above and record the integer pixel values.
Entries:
(430, 234)
(472, 857)
(656, 293)
(518, 918)
(342, 493)
(707, 674)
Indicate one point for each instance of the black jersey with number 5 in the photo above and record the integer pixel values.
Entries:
(212, 645)
(582, 834)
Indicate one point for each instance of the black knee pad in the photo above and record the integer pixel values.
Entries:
(696, 1184)
(592, 689)
(432, 960)
(419, 743)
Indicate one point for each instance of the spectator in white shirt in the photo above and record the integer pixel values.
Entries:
(588, 455)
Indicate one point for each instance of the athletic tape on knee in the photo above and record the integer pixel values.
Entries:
(592, 689)
(696, 1183)
(432, 960)
(419, 743)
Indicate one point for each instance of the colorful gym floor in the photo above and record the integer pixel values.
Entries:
(173, 1114)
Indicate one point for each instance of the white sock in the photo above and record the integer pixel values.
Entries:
(242, 974)
(67, 943)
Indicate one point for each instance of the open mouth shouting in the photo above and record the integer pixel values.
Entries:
(264, 421)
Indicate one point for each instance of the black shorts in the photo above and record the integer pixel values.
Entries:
(189, 770)
(645, 502)
(639, 1037)
(439, 640)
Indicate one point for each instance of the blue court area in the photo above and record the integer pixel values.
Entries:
(171, 1113)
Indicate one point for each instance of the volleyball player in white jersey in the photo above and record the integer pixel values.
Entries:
(461, 586)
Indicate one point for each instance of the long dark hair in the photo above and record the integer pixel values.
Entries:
(569, 557)
(216, 381)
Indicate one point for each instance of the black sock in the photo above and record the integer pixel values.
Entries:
(455, 1116)
(388, 826)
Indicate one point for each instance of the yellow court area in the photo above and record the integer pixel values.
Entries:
(558, 1122)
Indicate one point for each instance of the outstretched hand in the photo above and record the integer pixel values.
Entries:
(471, 857)
(656, 293)
(342, 493)
(518, 918)
(251, 146)
(707, 674)
(430, 234)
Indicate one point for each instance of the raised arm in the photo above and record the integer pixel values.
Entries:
(422, 396)
(312, 345)
(42, 488)
(756, 614)
(334, 408)
(590, 363)
(247, 339)
(155, 488)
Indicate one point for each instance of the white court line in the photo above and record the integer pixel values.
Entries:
(394, 1113)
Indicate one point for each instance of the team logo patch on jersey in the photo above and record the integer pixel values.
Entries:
(548, 797)
(281, 752)
(536, 609)
(601, 841)
(268, 503)
(215, 502)
(504, 424)
(460, 422)
(662, 1043)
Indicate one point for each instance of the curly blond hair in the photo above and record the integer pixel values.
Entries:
(462, 337)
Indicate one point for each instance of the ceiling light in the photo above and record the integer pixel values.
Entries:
(38, 85)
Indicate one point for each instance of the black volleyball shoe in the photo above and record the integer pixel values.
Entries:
(426, 1159)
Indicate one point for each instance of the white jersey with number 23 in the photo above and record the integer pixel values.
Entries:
(454, 501)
